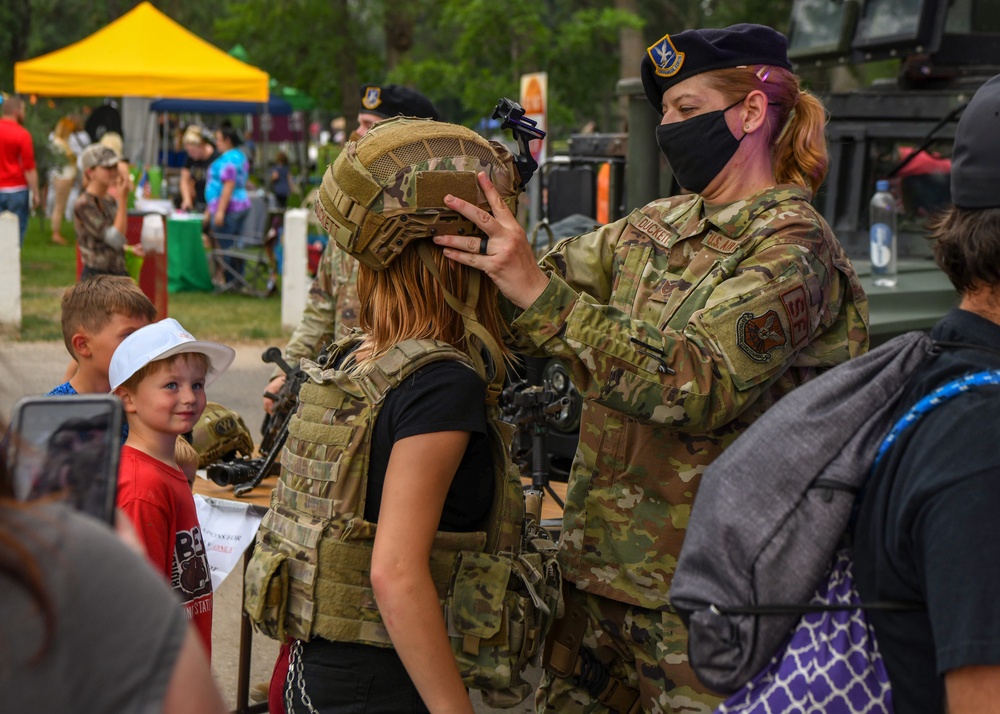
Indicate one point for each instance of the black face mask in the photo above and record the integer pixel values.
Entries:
(698, 148)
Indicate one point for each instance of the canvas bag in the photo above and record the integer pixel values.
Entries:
(831, 661)
(772, 508)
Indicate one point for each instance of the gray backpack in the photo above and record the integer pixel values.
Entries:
(772, 508)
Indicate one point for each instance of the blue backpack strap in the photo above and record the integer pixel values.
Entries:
(937, 397)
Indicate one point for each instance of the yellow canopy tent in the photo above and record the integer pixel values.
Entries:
(142, 54)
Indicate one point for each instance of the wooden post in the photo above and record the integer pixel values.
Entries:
(294, 268)
(10, 270)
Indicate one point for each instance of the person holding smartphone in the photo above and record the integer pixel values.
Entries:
(85, 624)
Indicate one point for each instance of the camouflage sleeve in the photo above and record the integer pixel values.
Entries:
(702, 373)
(320, 319)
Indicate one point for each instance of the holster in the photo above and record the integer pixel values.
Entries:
(562, 646)
(562, 658)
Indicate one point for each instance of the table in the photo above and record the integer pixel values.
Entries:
(260, 497)
(187, 263)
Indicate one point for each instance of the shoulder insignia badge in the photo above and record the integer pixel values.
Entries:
(796, 308)
(372, 98)
(758, 335)
(665, 57)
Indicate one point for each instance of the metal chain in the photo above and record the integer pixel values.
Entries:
(295, 676)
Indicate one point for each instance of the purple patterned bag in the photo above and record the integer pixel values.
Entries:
(830, 664)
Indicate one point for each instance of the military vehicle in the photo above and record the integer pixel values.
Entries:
(901, 129)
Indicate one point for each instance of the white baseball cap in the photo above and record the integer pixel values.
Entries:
(161, 340)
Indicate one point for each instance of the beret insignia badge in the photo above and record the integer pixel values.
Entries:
(372, 98)
(665, 57)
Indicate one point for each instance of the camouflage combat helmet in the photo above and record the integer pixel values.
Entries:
(387, 189)
(219, 435)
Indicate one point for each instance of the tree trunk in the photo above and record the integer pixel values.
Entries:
(399, 24)
(630, 51)
(346, 62)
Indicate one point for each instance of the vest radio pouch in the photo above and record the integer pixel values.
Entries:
(310, 573)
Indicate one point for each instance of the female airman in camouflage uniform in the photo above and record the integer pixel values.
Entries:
(681, 323)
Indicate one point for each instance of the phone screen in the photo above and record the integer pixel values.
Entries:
(68, 447)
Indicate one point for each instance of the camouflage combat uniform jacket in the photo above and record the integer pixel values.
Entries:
(680, 330)
(332, 309)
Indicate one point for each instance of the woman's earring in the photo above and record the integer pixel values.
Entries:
(746, 127)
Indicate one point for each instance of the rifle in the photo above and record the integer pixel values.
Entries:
(246, 474)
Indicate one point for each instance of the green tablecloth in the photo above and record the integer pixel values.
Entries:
(187, 262)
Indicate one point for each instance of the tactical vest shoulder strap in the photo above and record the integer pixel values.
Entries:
(402, 360)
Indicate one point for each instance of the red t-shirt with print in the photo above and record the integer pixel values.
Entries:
(157, 499)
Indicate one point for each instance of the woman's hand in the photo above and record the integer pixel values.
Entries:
(506, 257)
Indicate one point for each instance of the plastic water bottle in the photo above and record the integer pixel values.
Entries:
(882, 235)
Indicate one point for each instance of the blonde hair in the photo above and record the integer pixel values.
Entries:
(112, 140)
(796, 121)
(193, 135)
(186, 457)
(405, 301)
(90, 304)
(64, 127)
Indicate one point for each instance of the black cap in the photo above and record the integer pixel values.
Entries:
(674, 58)
(975, 160)
(393, 100)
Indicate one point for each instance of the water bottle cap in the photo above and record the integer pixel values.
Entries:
(882, 185)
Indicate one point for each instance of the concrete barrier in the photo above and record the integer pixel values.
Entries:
(295, 279)
(10, 270)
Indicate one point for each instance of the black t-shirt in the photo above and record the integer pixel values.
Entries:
(442, 396)
(199, 172)
(928, 527)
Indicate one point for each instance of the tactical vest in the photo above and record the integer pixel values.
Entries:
(310, 574)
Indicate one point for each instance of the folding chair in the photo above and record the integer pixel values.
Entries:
(246, 262)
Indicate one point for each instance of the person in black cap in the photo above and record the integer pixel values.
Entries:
(681, 323)
(332, 308)
(927, 528)
(383, 101)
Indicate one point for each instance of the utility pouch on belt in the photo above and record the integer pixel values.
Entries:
(562, 646)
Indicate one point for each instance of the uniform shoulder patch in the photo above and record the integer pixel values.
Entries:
(665, 57)
(797, 309)
(372, 97)
(757, 335)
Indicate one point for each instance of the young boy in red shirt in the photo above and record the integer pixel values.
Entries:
(160, 373)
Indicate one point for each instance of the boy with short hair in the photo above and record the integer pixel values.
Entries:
(101, 221)
(97, 314)
(160, 373)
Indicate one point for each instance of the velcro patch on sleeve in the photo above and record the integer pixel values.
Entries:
(755, 332)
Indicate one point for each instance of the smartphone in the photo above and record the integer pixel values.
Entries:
(68, 447)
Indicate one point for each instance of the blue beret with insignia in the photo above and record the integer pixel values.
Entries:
(674, 58)
(393, 100)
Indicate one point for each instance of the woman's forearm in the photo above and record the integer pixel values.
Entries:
(412, 615)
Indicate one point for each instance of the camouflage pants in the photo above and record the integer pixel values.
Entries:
(644, 648)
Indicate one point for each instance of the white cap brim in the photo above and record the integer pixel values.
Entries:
(168, 339)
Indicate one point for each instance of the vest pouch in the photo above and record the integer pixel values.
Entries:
(486, 624)
(266, 591)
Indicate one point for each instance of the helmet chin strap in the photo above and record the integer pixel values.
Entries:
(474, 331)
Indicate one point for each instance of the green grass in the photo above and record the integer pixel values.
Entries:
(48, 269)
